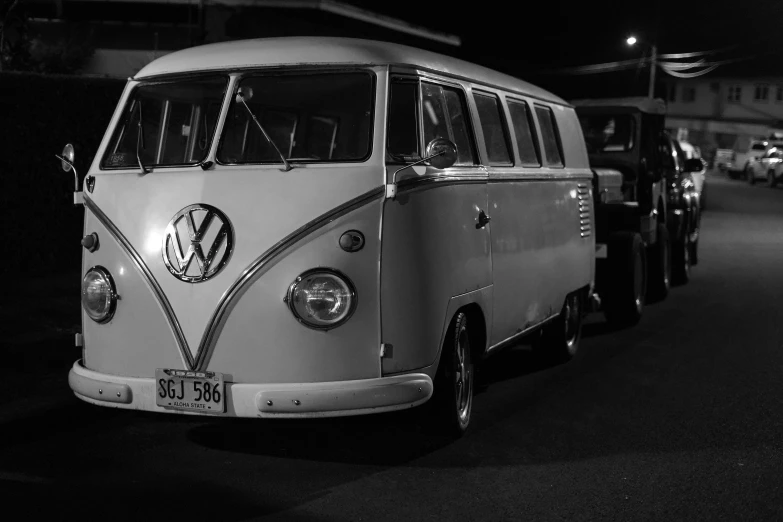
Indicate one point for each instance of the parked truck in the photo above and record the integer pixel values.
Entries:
(633, 251)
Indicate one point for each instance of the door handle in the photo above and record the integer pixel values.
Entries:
(483, 219)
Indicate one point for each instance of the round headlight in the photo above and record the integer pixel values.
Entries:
(321, 298)
(99, 295)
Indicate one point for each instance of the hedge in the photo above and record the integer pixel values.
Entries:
(39, 114)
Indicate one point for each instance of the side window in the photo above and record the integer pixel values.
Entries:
(443, 116)
(491, 121)
(403, 141)
(523, 131)
(546, 119)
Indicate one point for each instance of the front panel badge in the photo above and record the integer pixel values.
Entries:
(192, 231)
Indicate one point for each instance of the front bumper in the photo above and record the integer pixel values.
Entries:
(323, 399)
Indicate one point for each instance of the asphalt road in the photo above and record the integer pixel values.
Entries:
(678, 418)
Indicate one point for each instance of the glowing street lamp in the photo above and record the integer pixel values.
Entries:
(631, 40)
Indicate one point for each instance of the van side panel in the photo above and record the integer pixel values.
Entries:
(431, 251)
(538, 256)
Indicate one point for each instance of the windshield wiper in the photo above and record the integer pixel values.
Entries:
(140, 142)
(241, 98)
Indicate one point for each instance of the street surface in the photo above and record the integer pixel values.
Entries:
(679, 418)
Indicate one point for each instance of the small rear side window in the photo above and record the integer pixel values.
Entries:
(546, 119)
(758, 146)
(523, 131)
(495, 137)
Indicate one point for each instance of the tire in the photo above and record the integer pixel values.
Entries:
(733, 174)
(772, 181)
(750, 176)
(559, 340)
(659, 266)
(681, 258)
(448, 411)
(625, 280)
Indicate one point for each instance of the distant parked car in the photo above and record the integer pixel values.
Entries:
(724, 159)
(744, 158)
(699, 177)
(769, 166)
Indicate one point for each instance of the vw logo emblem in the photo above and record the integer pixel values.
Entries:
(197, 243)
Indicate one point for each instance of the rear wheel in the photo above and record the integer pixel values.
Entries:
(559, 340)
(448, 411)
(772, 181)
(659, 263)
(750, 176)
(624, 279)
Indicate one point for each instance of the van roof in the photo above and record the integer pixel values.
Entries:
(648, 105)
(289, 51)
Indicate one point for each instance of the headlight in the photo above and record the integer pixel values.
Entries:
(321, 298)
(99, 295)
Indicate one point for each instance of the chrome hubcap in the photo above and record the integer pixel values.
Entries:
(572, 320)
(463, 375)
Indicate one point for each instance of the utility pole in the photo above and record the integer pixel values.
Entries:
(653, 66)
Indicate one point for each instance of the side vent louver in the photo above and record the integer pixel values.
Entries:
(585, 226)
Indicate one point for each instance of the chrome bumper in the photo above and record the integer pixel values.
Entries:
(323, 399)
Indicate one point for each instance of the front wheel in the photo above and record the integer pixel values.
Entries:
(751, 177)
(659, 263)
(452, 399)
(772, 181)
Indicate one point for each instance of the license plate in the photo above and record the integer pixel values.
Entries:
(190, 391)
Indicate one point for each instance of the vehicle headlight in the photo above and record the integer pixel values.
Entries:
(99, 295)
(321, 298)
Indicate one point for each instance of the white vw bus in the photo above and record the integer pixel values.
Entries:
(300, 227)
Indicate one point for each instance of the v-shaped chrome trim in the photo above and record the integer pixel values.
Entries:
(240, 285)
(157, 291)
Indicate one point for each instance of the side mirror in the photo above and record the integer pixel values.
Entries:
(68, 155)
(442, 153)
(693, 165)
(66, 162)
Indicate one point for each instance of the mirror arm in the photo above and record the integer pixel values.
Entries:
(77, 195)
(391, 188)
(75, 175)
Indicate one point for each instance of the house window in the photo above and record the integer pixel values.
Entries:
(761, 94)
(735, 93)
(779, 94)
(689, 94)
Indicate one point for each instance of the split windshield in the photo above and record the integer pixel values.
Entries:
(178, 120)
(608, 133)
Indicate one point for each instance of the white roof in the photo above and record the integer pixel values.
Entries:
(652, 106)
(290, 51)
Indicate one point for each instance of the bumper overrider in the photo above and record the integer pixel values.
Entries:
(323, 399)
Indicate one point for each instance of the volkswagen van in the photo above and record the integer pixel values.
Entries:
(306, 227)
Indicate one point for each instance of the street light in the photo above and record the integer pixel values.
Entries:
(631, 40)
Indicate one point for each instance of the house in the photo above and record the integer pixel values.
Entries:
(724, 111)
(125, 35)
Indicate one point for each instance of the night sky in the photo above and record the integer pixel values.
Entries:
(526, 38)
